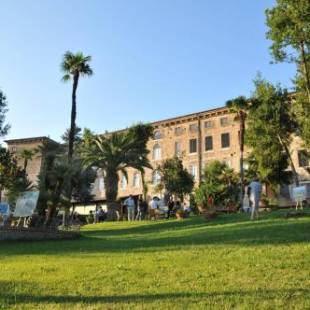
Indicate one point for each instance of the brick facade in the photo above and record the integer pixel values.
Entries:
(198, 138)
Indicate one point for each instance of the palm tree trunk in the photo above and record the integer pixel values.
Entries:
(111, 189)
(242, 128)
(287, 151)
(144, 186)
(49, 215)
(73, 116)
(199, 151)
(25, 164)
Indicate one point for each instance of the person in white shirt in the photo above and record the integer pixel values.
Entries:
(130, 204)
(153, 207)
(255, 191)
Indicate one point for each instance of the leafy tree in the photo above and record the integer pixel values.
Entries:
(4, 128)
(18, 183)
(77, 136)
(239, 107)
(175, 178)
(269, 129)
(82, 180)
(7, 166)
(13, 179)
(289, 31)
(301, 110)
(74, 66)
(61, 181)
(116, 152)
(220, 182)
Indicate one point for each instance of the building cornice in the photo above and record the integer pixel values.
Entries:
(30, 140)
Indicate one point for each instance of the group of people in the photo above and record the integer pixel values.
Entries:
(135, 211)
(141, 209)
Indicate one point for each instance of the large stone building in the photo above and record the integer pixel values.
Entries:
(16, 146)
(198, 138)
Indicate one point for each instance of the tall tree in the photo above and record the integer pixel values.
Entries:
(269, 133)
(114, 153)
(289, 31)
(13, 179)
(7, 166)
(26, 155)
(59, 181)
(77, 136)
(4, 128)
(74, 66)
(239, 107)
(301, 109)
(175, 178)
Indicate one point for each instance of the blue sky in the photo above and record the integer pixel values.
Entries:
(153, 59)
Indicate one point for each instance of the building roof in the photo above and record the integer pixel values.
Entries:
(164, 122)
(29, 140)
(191, 116)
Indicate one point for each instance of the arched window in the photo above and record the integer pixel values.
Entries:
(156, 152)
(123, 182)
(101, 184)
(193, 171)
(156, 177)
(136, 180)
(157, 135)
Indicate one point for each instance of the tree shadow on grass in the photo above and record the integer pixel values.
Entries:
(10, 296)
(156, 226)
(199, 234)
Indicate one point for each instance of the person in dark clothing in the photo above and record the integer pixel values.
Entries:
(178, 205)
(145, 209)
(170, 207)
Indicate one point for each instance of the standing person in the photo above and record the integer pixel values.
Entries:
(255, 194)
(210, 202)
(140, 208)
(130, 204)
(178, 205)
(153, 208)
(145, 209)
(170, 207)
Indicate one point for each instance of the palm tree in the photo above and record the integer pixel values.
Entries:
(239, 107)
(74, 66)
(114, 153)
(26, 155)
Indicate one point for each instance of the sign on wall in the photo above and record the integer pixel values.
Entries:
(26, 204)
(4, 209)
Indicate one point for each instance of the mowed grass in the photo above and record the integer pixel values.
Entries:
(190, 264)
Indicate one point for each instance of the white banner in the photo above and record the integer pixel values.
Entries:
(299, 193)
(26, 204)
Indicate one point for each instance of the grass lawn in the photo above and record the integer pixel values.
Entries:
(190, 264)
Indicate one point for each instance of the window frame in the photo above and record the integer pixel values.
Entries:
(208, 122)
(222, 137)
(157, 152)
(190, 146)
(212, 148)
(222, 123)
(305, 158)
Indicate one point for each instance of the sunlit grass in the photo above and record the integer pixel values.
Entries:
(191, 264)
